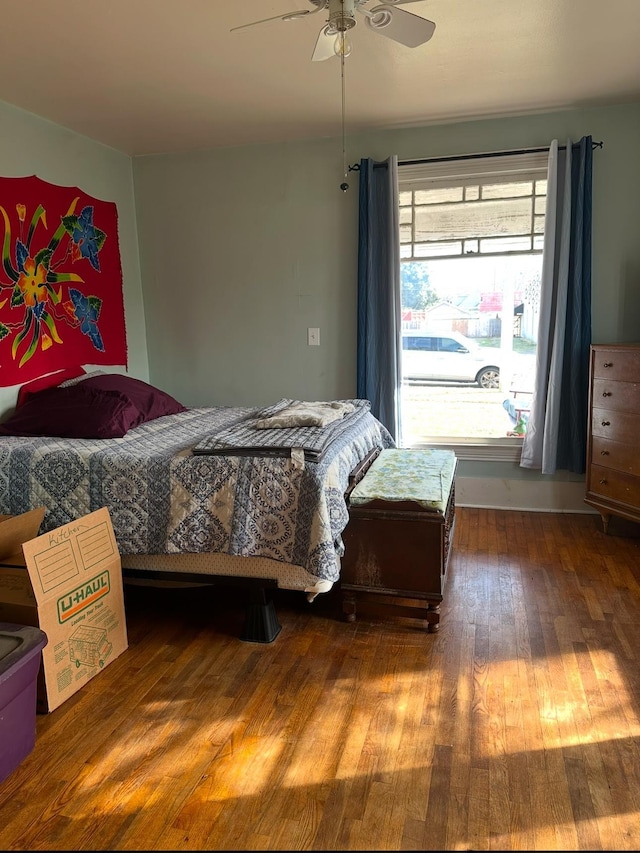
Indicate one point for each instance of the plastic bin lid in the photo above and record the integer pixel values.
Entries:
(8, 644)
(16, 641)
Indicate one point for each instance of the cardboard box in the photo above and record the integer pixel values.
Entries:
(67, 583)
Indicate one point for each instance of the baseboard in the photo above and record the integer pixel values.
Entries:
(538, 496)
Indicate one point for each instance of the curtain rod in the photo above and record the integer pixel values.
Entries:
(356, 166)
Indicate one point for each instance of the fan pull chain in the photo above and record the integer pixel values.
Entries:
(343, 186)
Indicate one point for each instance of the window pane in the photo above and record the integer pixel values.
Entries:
(471, 284)
(406, 235)
(483, 311)
(507, 190)
(540, 204)
(433, 250)
(438, 196)
(506, 244)
(473, 219)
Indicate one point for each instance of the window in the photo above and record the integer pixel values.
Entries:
(471, 240)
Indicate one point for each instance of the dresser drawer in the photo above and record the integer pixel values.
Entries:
(613, 363)
(617, 426)
(614, 485)
(615, 454)
(617, 396)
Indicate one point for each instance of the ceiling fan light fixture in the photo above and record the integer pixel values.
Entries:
(342, 46)
(399, 25)
(386, 19)
(342, 14)
(379, 19)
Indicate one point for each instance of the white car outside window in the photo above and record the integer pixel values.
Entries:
(448, 357)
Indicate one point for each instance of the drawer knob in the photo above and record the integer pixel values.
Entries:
(602, 482)
(608, 364)
(606, 423)
(604, 453)
(606, 393)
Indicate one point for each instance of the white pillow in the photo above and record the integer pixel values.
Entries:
(69, 382)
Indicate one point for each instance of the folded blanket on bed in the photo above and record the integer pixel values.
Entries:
(245, 438)
(306, 414)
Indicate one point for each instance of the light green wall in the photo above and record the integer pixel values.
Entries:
(33, 146)
(243, 248)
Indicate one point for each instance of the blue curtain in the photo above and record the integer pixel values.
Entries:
(379, 366)
(556, 436)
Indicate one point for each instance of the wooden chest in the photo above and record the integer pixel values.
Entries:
(613, 450)
(399, 535)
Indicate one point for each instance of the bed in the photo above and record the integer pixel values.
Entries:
(196, 494)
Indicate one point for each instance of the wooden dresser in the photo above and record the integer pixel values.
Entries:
(613, 439)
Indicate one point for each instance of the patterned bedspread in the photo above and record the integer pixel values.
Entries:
(164, 499)
(245, 438)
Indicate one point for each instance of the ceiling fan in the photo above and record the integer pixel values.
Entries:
(386, 19)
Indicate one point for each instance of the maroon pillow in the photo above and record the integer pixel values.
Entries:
(47, 381)
(151, 402)
(75, 412)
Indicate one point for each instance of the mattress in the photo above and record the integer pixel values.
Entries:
(165, 499)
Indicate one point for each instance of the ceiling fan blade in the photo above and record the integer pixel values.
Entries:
(288, 16)
(324, 44)
(404, 27)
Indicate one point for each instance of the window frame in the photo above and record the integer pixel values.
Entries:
(448, 172)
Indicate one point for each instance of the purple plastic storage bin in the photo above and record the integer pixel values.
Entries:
(20, 648)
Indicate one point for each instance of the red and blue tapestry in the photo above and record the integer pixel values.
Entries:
(61, 299)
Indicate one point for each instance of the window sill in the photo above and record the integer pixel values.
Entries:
(490, 449)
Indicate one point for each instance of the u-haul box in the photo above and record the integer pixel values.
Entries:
(68, 583)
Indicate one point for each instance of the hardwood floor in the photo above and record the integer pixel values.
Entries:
(516, 726)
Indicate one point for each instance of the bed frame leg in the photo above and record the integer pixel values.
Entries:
(261, 621)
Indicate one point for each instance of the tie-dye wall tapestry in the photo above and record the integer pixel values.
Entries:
(61, 300)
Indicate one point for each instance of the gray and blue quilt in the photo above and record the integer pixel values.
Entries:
(245, 438)
(165, 499)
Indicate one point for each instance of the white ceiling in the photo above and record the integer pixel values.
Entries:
(153, 76)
